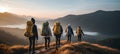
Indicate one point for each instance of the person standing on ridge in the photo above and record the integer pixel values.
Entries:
(32, 33)
(69, 32)
(46, 32)
(79, 33)
(57, 31)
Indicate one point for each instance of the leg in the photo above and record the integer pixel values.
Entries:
(78, 38)
(67, 38)
(70, 38)
(59, 39)
(56, 41)
(48, 42)
(45, 43)
(30, 45)
(33, 46)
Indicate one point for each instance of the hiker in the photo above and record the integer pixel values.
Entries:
(32, 33)
(69, 32)
(46, 32)
(79, 33)
(57, 30)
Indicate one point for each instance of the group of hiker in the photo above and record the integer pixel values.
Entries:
(32, 33)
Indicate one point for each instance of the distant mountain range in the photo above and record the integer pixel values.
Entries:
(9, 18)
(105, 22)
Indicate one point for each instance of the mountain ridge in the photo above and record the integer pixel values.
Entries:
(66, 48)
(99, 21)
(7, 18)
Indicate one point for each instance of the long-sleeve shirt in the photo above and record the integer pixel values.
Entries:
(35, 32)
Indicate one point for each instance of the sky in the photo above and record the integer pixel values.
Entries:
(56, 8)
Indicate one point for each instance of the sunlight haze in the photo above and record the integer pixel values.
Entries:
(56, 8)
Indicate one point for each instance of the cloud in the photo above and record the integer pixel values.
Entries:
(91, 33)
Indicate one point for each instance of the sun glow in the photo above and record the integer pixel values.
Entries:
(2, 9)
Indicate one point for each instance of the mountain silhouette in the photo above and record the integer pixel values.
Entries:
(7, 18)
(105, 22)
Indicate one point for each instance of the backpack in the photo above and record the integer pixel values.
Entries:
(69, 30)
(45, 31)
(56, 29)
(28, 31)
(78, 31)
